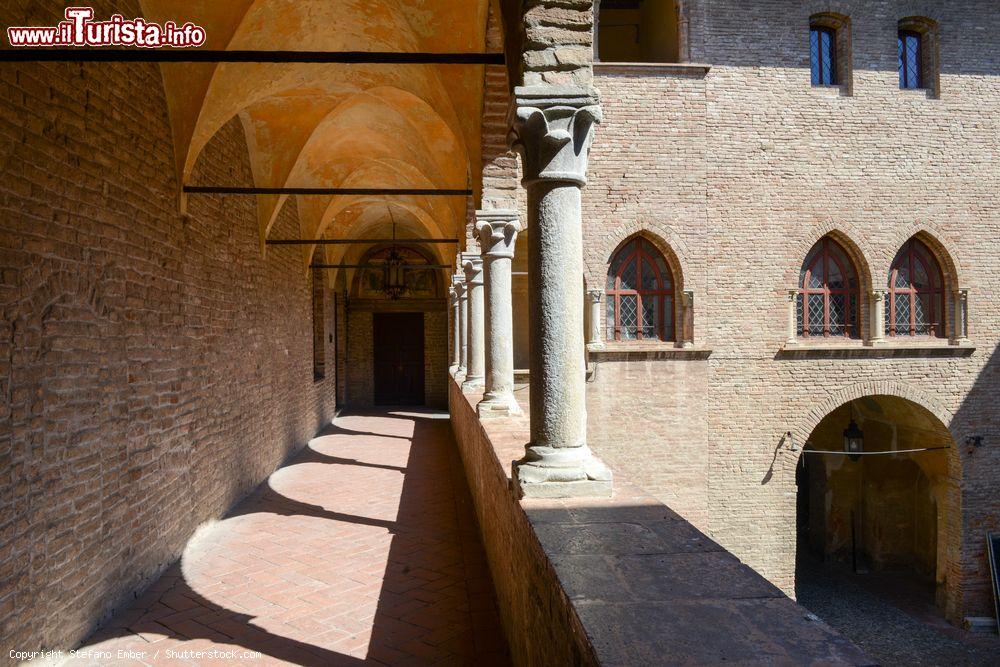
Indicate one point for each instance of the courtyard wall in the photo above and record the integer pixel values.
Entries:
(739, 168)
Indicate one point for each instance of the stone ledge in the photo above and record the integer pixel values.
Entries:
(648, 352)
(693, 70)
(887, 351)
(622, 580)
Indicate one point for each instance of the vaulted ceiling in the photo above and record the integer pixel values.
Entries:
(337, 125)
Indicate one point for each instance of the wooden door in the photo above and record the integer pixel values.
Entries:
(399, 358)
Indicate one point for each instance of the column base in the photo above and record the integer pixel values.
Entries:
(590, 478)
(498, 406)
(473, 384)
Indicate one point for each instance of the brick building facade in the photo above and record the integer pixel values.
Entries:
(158, 361)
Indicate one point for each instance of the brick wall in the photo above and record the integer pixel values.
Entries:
(739, 172)
(154, 367)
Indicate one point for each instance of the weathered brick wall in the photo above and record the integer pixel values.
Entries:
(740, 171)
(154, 367)
(539, 620)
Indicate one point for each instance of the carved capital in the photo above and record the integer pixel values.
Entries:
(472, 264)
(595, 295)
(792, 295)
(878, 295)
(497, 232)
(552, 129)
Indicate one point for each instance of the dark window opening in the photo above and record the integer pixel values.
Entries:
(638, 31)
(823, 49)
(910, 47)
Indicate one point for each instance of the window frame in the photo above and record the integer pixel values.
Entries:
(821, 30)
(917, 250)
(902, 35)
(852, 329)
(637, 255)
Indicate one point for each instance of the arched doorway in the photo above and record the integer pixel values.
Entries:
(883, 522)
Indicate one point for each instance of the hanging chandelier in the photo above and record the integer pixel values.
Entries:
(854, 438)
(394, 269)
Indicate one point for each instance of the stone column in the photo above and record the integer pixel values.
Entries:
(475, 371)
(877, 305)
(497, 231)
(463, 325)
(793, 323)
(552, 129)
(961, 298)
(687, 328)
(456, 328)
(595, 341)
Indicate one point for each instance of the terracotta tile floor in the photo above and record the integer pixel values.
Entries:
(363, 549)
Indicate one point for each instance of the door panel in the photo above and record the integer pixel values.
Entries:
(399, 358)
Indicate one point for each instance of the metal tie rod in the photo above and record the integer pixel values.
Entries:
(352, 241)
(98, 55)
(415, 267)
(382, 192)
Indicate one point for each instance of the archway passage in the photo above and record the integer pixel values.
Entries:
(878, 533)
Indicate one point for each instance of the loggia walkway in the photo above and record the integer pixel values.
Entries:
(362, 549)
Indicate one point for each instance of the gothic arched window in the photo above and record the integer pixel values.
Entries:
(640, 294)
(915, 303)
(828, 292)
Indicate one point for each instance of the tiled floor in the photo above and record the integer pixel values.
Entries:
(363, 549)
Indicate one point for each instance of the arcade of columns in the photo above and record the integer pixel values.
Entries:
(552, 129)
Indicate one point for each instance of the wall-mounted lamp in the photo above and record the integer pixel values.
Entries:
(790, 440)
(974, 441)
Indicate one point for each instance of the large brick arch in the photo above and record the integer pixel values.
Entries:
(805, 426)
(665, 239)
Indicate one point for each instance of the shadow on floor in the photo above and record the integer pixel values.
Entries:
(435, 598)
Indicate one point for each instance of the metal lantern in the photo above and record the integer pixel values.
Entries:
(854, 438)
(394, 269)
(394, 275)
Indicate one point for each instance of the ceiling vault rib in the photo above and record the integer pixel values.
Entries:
(234, 190)
(352, 241)
(238, 56)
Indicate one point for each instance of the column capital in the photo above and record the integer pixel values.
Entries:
(792, 293)
(497, 230)
(552, 129)
(472, 264)
(878, 293)
(688, 296)
(595, 295)
(458, 284)
(962, 293)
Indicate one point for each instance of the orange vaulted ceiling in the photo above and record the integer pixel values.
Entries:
(336, 125)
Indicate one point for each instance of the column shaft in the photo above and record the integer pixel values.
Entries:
(476, 350)
(497, 232)
(877, 316)
(463, 326)
(456, 330)
(594, 314)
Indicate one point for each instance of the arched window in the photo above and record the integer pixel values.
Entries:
(640, 291)
(828, 292)
(915, 303)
